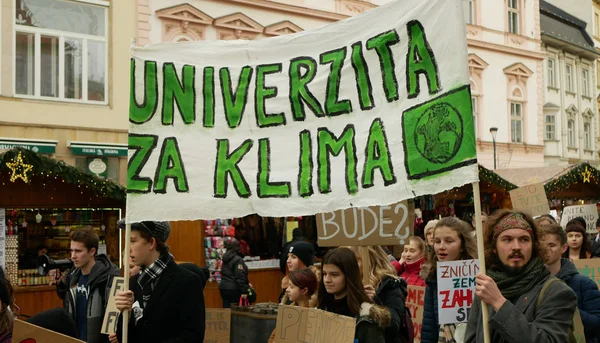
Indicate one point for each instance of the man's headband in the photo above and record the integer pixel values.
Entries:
(512, 221)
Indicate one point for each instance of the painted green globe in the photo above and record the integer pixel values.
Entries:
(439, 133)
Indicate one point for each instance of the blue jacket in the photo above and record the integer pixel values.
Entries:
(588, 298)
(430, 331)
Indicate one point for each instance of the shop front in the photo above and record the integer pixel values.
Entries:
(42, 202)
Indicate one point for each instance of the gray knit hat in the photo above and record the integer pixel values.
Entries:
(158, 230)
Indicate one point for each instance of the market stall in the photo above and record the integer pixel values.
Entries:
(43, 200)
(459, 201)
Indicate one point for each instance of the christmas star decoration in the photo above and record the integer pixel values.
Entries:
(587, 174)
(19, 169)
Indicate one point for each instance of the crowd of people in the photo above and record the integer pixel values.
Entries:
(532, 288)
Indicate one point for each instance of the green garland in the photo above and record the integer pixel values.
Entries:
(47, 167)
(493, 178)
(573, 176)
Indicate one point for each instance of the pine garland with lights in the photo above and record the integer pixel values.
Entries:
(582, 174)
(493, 178)
(50, 168)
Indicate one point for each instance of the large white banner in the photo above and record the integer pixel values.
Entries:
(368, 111)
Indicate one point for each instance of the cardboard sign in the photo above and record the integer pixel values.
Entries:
(303, 124)
(24, 332)
(111, 315)
(588, 212)
(415, 301)
(378, 225)
(589, 268)
(307, 325)
(578, 330)
(218, 325)
(456, 288)
(531, 199)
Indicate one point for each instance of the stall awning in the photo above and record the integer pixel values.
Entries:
(41, 146)
(98, 149)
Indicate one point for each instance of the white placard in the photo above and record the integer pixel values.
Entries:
(588, 212)
(368, 111)
(456, 288)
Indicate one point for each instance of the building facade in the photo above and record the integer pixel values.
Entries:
(505, 60)
(64, 90)
(505, 56)
(570, 91)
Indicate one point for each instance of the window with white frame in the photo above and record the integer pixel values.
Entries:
(550, 122)
(61, 50)
(571, 133)
(587, 136)
(513, 16)
(516, 122)
(551, 72)
(585, 82)
(569, 77)
(469, 11)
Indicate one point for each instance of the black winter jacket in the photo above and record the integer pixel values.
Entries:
(430, 330)
(588, 298)
(99, 283)
(234, 273)
(175, 312)
(391, 293)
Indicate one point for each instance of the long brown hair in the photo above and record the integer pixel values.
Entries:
(492, 261)
(346, 261)
(467, 243)
(8, 311)
(380, 266)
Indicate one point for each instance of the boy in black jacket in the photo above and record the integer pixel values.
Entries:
(165, 300)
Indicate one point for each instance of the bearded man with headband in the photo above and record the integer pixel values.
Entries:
(525, 302)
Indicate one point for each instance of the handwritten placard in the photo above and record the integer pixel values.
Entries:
(588, 212)
(531, 199)
(24, 332)
(415, 301)
(456, 287)
(589, 268)
(377, 225)
(111, 315)
(218, 325)
(306, 325)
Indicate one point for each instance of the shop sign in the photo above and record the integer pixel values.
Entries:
(91, 151)
(40, 148)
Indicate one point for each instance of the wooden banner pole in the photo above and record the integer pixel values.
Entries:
(481, 255)
(126, 275)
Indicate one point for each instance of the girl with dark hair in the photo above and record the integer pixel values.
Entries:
(578, 240)
(341, 291)
(234, 275)
(452, 241)
(302, 285)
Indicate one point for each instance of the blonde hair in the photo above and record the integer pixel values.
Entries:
(430, 226)
(419, 242)
(380, 266)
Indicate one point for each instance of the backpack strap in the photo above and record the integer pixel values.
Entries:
(545, 287)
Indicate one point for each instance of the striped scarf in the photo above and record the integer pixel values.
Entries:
(151, 274)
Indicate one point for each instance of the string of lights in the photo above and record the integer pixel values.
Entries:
(22, 164)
